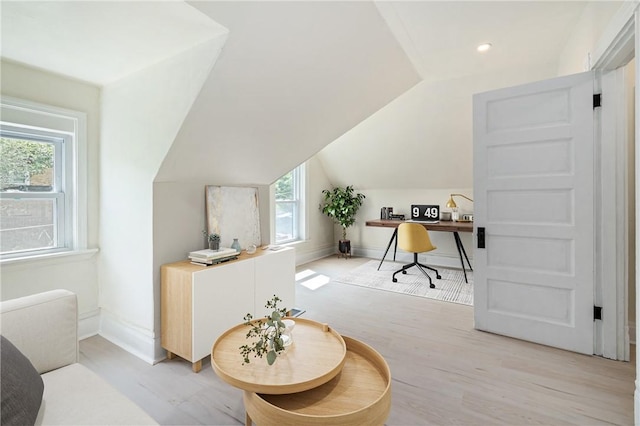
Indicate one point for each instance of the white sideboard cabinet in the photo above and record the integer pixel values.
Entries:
(198, 303)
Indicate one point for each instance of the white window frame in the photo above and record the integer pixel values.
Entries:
(47, 122)
(299, 189)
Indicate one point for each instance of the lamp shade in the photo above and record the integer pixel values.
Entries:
(451, 204)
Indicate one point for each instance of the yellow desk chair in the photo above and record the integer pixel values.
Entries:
(413, 237)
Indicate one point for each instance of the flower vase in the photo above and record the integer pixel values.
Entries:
(236, 245)
(214, 245)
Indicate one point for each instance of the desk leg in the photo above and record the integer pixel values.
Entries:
(395, 246)
(460, 248)
(393, 238)
(465, 253)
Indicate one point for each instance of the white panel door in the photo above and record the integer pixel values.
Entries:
(534, 196)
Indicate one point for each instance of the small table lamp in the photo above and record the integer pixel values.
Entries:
(453, 206)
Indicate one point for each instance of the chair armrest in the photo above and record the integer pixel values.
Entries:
(44, 327)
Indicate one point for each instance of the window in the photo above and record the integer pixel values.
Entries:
(289, 206)
(40, 188)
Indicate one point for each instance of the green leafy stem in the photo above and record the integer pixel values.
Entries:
(267, 334)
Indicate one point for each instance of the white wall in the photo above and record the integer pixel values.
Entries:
(74, 273)
(417, 149)
(583, 39)
(141, 117)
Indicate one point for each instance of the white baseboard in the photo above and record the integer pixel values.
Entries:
(88, 324)
(445, 261)
(133, 340)
(310, 256)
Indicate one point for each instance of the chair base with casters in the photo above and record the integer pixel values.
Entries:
(414, 238)
(421, 267)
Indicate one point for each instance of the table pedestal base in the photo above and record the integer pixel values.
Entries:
(360, 394)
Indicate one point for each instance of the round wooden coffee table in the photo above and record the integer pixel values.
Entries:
(323, 379)
(315, 357)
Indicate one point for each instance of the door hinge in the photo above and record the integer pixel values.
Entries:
(597, 313)
(597, 100)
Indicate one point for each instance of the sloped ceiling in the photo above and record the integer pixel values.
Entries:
(424, 139)
(295, 76)
(100, 41)
(292, 77)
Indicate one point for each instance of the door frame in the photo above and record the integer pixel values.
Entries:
(612, 219)
(615, 48)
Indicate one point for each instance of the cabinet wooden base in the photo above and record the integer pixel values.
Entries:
(195, 366)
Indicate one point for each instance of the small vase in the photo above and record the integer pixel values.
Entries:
(236, 245)
(214, 245)
(287, 335)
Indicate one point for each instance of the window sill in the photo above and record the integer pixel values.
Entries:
(290, 243)
(49, 258)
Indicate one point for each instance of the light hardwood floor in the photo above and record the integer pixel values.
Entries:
(444, 372)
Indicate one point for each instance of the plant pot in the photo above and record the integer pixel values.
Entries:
(214, 245)
(344, 247)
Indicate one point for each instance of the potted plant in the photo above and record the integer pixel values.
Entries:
(268, 334)
(213, 239)
(341, 205)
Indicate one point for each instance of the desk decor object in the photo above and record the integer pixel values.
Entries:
(213, 240)
(454, 207)
(233, 212)
(236, 245)
(425, 212)
(268, 334)
(341, 205)
(212, 257)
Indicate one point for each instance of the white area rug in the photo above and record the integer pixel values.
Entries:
(451, 288)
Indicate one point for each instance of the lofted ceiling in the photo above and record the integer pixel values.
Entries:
(102, 41)
(295, 76)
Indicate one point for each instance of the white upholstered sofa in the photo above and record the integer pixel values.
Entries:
(44, 328)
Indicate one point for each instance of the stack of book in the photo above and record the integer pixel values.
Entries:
(211, 257)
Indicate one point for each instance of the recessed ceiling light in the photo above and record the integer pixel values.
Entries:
(484, 47)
